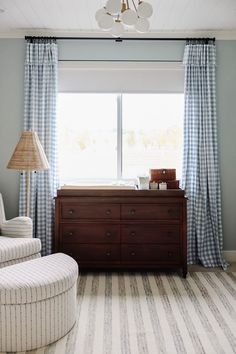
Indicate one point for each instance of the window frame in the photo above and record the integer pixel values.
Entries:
(128, 68)
(119, 155)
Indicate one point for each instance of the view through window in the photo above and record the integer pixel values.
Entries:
(103, 137)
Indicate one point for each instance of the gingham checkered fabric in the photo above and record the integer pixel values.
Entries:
(200, 178)
(41, 70)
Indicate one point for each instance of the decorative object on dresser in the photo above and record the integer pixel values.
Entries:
(143, 182)
(167, 175)
(122, 229)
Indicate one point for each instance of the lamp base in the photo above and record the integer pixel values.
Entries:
(28, 193)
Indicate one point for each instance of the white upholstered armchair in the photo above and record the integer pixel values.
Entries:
(16, 242)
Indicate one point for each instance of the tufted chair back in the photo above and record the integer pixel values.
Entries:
(2, 211)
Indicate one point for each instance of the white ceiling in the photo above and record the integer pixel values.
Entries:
(77, 16)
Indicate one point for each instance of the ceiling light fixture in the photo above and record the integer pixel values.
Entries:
(118, 15)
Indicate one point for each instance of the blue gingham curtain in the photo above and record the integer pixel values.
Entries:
(200, 166)
(40, 94)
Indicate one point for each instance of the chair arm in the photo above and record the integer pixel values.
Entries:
(20, 226)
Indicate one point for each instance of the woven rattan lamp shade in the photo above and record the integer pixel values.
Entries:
(29, 154)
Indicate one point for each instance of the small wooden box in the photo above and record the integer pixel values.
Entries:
(172, 184)
(162, 175)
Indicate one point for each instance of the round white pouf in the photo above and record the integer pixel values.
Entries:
(37, 302)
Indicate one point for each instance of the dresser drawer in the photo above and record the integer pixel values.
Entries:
(150, 233)
(86, 252)
(150, 211)
(150, 253)
(90, 233)
(90, 211)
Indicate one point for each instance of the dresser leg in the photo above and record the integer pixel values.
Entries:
(185, 272)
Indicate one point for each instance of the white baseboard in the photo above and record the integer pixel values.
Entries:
(230, 256)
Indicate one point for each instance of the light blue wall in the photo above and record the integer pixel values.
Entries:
(11, 106)
(226, 103)
(11, 116)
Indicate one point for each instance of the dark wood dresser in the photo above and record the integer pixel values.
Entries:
(122, 229)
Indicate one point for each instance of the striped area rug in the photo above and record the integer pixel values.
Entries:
(152, 313)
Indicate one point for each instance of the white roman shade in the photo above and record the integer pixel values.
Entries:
(124, 77)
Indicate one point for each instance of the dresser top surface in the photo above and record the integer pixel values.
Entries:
(120, 193)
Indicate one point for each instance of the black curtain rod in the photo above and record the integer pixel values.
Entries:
(123, 38)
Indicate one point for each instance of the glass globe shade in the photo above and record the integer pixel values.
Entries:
(99, 13)
(144, 10)
(129, 17)
(142, 25)
(117, 29)
(113, 6)
(105, 22)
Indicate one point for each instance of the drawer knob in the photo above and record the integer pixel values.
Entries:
(170, 254)
(71, 211)
(133, 233)
(132, 211)
(108, 212)
(71, 233)
(108, 254)
(132, 253)
(108, 234)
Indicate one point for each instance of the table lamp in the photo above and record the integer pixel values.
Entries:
(28, 156)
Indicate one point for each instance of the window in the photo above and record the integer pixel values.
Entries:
(152, 126)
(107, 136)
(87, 136)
